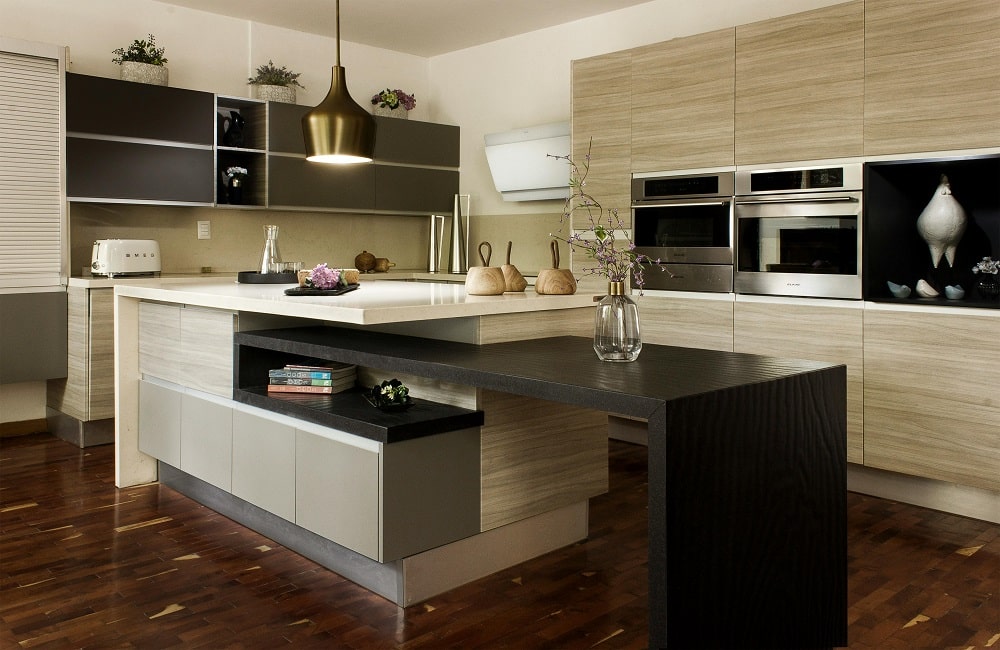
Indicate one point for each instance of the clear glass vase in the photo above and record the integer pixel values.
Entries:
(616, 326)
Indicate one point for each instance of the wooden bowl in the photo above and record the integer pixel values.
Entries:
(513, 280)
(555, 281)
(485, 280)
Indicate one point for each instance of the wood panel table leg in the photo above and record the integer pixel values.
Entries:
(747, 516)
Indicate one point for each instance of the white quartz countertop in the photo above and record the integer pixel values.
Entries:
(385, 301)
(100, 282)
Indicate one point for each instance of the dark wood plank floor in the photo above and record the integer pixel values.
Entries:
(85, 565)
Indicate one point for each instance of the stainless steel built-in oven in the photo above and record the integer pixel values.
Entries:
(798, 231)
(686, 222)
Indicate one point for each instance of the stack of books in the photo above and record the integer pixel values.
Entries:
(327, 378)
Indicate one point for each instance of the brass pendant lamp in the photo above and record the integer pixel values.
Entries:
(338, 130)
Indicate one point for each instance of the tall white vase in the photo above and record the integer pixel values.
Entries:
(942, 223)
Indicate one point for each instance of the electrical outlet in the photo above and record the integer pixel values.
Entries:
(204, 230)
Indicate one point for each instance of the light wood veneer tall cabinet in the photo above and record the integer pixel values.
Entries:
(932, 75)
(602, 123)
(682, 103)
(800, 86)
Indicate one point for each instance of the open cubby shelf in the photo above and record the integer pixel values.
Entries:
(896, 192)
(347, 411)
(350, 412)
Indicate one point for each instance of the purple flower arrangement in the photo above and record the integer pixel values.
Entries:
(611, 258)
(393, 99)
(323, 277)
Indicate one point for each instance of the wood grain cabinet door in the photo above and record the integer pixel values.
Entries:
(932, 75)
(601, 87)
(800, 86)
(821, 331)
(932, 407)
(689, 323)
(682, 103)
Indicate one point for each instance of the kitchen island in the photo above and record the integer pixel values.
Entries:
(747, 466)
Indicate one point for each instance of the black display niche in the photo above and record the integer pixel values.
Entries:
(896, 192)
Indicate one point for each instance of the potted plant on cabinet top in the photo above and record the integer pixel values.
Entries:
(393, 103)
(143, 62)
(275, 84)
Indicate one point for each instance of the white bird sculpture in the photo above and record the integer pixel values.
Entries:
(942, 223)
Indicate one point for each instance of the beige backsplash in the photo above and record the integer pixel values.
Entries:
(309, 237)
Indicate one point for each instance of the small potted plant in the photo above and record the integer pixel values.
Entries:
(275, 84)
(986, 271)
(143, 62)
(393, 103)
(391, 395)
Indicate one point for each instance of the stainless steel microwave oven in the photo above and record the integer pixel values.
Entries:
(798, 231)
(686, 222)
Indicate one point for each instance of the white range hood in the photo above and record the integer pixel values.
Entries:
(522, 167)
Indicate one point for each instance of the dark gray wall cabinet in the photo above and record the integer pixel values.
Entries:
(110, 107)
(137, 143)
(293, 181)
(415, 168)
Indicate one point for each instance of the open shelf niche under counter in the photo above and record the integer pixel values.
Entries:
(257, 352)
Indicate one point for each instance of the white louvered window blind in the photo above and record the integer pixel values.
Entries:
(31, 212)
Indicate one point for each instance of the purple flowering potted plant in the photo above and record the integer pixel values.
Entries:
(393, 103)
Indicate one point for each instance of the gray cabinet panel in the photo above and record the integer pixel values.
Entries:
(430, 492)
(284, 127)
(160, 422)
(264, 463)
(141, 172)
(336, 492)
(111, 107)
(296, 182)
(416, 143)
(207, 441)
(33, 335)
(410, 189)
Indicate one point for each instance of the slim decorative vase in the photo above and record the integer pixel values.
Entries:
(988, 287)
(236, 190)
(616, 326)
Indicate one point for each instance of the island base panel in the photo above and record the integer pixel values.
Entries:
(82, 433)
(413, 579)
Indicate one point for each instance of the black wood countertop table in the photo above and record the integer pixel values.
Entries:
(747, 468)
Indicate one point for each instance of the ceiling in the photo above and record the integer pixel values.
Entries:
(420, 27)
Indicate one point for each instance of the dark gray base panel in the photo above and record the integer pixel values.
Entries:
(80, 433)
(383, 579)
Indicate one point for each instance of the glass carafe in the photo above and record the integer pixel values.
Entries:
(270, 259)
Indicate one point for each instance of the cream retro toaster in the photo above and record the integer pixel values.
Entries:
(113, 257)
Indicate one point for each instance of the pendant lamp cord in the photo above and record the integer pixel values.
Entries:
(338, 33)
